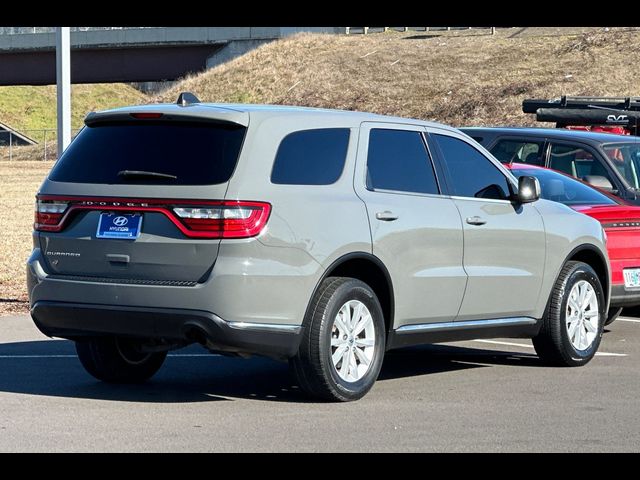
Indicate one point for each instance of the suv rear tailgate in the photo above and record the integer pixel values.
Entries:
(195, 160)
(161, 252)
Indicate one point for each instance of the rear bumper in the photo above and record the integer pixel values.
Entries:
(249, 283)
(75, 320)
(620, 297)
(229, 312)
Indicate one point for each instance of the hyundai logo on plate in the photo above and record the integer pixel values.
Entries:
(120, 221)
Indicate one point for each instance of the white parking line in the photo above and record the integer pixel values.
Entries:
(194, 355)
(38, 356)
(75, 356)
(632, 320)
(511, 344)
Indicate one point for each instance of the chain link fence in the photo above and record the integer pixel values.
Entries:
(15, 148)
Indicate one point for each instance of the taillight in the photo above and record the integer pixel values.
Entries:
(227, 220)
(49, 214)
(194, 218)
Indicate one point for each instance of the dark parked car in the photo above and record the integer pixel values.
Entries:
(607, 161)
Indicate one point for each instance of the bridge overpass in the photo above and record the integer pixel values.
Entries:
(131, 54)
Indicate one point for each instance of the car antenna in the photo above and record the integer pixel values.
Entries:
(187, 98)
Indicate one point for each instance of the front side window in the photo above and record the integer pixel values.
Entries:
(472, 174)
(398, 160)
(625, 157)
(311, 157)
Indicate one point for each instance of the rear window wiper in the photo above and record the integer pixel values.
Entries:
(144, 174)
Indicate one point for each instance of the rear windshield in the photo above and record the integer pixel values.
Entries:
(193, 153)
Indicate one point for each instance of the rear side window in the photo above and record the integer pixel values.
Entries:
(311, 157)
(519, 151)
(576, 162)
(193, 153)
(398, 160)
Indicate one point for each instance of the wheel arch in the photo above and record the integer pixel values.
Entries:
(369, 269)
(593, 257)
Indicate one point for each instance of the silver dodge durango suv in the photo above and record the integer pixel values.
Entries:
(320, 237)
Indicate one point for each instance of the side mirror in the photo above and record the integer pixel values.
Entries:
(600, 182)
(528, 189)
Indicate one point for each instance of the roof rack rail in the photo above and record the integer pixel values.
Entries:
(186, 99)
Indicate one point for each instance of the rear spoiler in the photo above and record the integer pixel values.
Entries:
(187, 108)
(193, 113)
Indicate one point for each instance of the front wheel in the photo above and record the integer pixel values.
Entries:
(118, 359)
(343, 341)
(572, 327)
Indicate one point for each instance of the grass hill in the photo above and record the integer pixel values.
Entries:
(464, 78)
(460, 78)
(31, 108)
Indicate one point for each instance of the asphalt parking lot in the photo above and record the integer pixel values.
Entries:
(467, 396)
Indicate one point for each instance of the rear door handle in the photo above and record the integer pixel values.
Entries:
(386, 216)
(476, 220)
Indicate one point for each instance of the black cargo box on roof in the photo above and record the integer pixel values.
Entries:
(587, 111)
(588, 117)
(531, 105)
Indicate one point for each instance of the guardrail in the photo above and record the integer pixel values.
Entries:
(366, 30)
(31, 30)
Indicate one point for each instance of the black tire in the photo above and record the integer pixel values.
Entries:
(614, 312)
(312, 366)
(118, 360)
(552, 344)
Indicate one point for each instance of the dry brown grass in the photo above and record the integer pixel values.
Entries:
(467, 78)
(19, 183)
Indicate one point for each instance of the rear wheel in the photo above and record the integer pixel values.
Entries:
(612, 315)
(118, 359)
(343, 341)
(572, 327)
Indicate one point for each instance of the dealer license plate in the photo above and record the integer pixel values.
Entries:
(124, 226)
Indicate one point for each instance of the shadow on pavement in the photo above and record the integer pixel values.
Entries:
(442, 358)
(50, 368)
